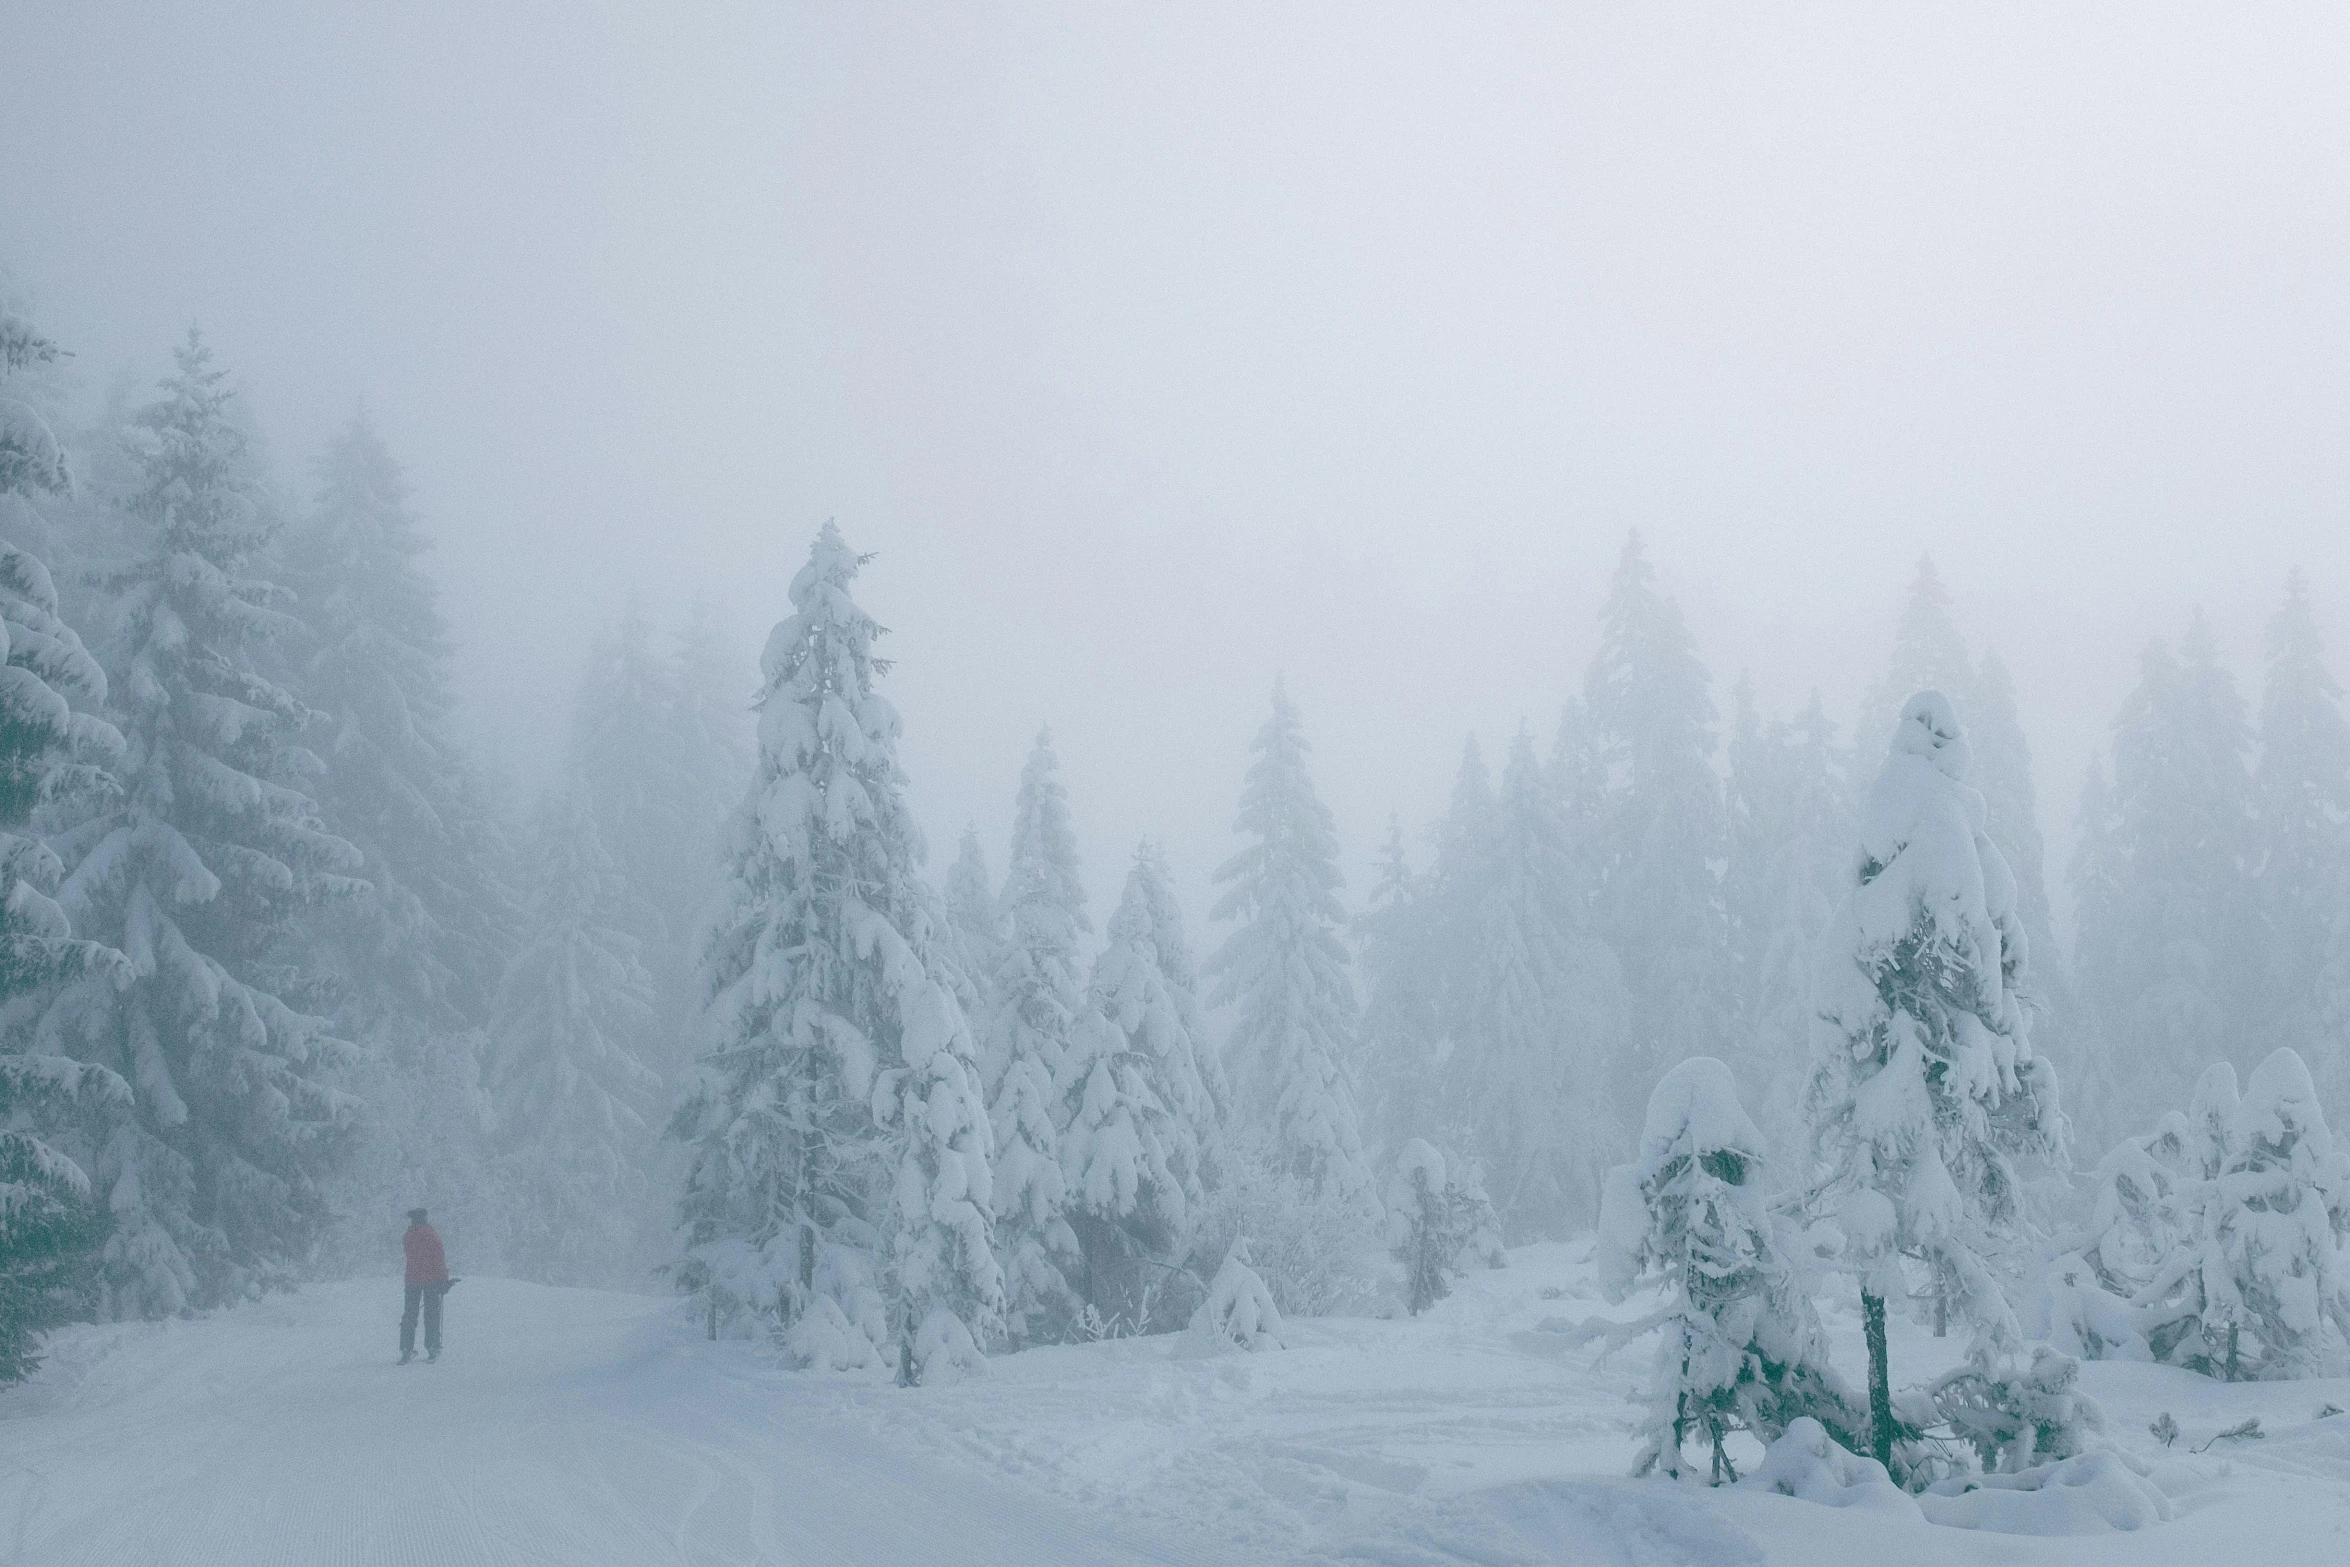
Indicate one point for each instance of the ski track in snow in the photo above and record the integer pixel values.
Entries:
(581, 1428)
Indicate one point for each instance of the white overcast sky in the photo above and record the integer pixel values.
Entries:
(1159, 347)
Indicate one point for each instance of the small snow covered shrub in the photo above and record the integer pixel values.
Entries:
(2138, 1219)
(1742, 1349)
(2016, 1413)
(2257, 1285)
(1239, 1309)
(1437, 1213)
(1419, 1224)
(2076, 1314)
(2136, 1222)
(1315, 1246)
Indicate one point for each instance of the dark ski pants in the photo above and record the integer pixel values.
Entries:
(429, 1297)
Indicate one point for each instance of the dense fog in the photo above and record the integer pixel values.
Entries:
(949, 684)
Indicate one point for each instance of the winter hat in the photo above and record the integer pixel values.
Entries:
(416, 1216)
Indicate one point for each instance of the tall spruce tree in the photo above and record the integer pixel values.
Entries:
(53, 752)
(2302, 855)
(1039, 1008)
(1135, 1115)
(1540, 1017)
(712, 745)
(1790, 838)
(631, 760)
(1285, 972)
(430, 937)
(2011, 815)
(410, 964)
(198, 872)
(1180, 969)
(710, 722)
(2163, 885)
(1399, 934)
(975, 921)
(1929, 654)
(1925, 1094)
(841, 1163)
(567, 1079)
(1661, 829)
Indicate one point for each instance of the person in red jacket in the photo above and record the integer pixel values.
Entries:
(428, 1281)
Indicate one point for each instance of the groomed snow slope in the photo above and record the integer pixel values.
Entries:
(563, 1427)
(572, 1427)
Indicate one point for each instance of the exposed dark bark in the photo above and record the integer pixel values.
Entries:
(1872, 1312)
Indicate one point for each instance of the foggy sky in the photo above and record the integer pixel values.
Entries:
(1157, 348)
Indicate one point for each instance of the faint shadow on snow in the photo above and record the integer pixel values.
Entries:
(1538, 1523)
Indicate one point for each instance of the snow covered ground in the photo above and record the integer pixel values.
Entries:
(568, 1426)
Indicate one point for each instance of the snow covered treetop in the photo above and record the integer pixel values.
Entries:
(1695, 1111)
(1927, 869)
(1416, 1157)
(1929, 728)
(820, 602)
(1697, 1160)
(2280, 1112)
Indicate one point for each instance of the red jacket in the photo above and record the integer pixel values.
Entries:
(426, 1264)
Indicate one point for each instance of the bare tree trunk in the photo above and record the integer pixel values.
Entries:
(1872, 1313)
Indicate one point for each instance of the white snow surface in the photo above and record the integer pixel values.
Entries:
(586, 1428)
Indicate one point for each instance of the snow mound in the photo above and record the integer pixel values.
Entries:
(2095, 1493)
(1554, 1523)
(1807, 1464)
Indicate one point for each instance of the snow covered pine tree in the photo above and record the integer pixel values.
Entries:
(565, 1074)
(1039, 1008)
(1284, 969)
(202, 872)
(1135, 1116)
(1657, 812)
(411, 963)
(1743, 1348)
(50, 747)
(2162, 880)
(1540, 1018)
(840, 1180)
(1924, 1090)
(974, 924)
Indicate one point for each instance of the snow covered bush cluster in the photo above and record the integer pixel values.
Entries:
(1925, 1102)
(2218, 1240)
